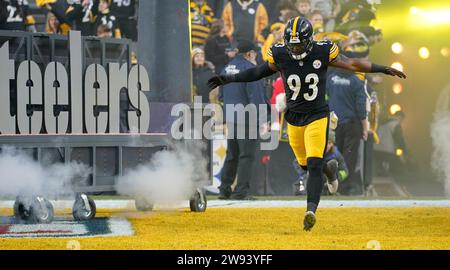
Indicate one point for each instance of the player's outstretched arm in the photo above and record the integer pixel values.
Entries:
(364, 65)
(249, 75)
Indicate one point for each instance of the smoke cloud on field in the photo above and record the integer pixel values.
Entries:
(21, 175)
(440, 134)
(170, 176)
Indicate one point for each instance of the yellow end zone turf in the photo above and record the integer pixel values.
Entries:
(268, 228)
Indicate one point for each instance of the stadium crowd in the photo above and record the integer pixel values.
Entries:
(102, 18)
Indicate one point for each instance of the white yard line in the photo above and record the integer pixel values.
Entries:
(127, 204)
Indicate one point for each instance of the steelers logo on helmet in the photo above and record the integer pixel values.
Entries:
(298, 37)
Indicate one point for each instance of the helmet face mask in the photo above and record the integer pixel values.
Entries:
(298, 38)
(300, 50)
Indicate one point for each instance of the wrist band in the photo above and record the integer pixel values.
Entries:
(378, 68)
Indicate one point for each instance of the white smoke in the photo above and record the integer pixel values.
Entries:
(440, 134)
(170, 176)
(21, 175)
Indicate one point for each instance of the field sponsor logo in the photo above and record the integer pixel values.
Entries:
(99, 227)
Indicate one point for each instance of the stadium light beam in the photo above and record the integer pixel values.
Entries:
(397, 88)
(395, 108)
(429, 16)
(397, 48)
(397, 65)
(445, 52)
(424, 53)
(414, 10)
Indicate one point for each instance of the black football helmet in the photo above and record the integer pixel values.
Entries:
(298, 37)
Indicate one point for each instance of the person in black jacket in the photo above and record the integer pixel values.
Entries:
(218, 47)
(83, 14)
(242, 131)
(201, 72)
(14, 15)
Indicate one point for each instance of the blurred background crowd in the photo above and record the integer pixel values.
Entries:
(102, 18)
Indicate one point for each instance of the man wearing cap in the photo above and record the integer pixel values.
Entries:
(240, 151)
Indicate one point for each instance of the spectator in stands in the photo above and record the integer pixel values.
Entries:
(106, 18)
(329, 10)
(286, 16)
(103, 31)
(217, 6)
(83, 15)
(218, 47)
(201, 19)
(3, 12)
(52, 25)
(201, 72)
(373, 35)
(125, 13)
(347, 98)
(245, 19)
(286, 11)
(240, 155)
(276, 36)
(272, 9)
(304, 8)
(355, 14)
(317, 22)
(15, 16)
(59, 9)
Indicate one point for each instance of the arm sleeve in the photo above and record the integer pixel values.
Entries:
(269, 56)
(253, 74)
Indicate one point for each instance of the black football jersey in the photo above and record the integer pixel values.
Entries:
(14, 15)
(305, 80)
(122, 8)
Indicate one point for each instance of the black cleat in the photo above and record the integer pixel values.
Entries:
(309, 220)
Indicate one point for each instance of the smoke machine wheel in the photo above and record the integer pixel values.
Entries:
(143, 204)
(84, 208)
(36, 209)
(198, 201)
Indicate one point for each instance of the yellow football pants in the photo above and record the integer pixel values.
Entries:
(308, 141)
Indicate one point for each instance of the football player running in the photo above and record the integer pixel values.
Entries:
(303, 64)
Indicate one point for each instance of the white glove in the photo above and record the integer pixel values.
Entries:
(280, 102)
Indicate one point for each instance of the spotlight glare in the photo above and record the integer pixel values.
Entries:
(395, 108)
(445, 52)
(397, 48)
(424, 53)
(399, 152)
(397, 88)
(414, 10)
(397, 65)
